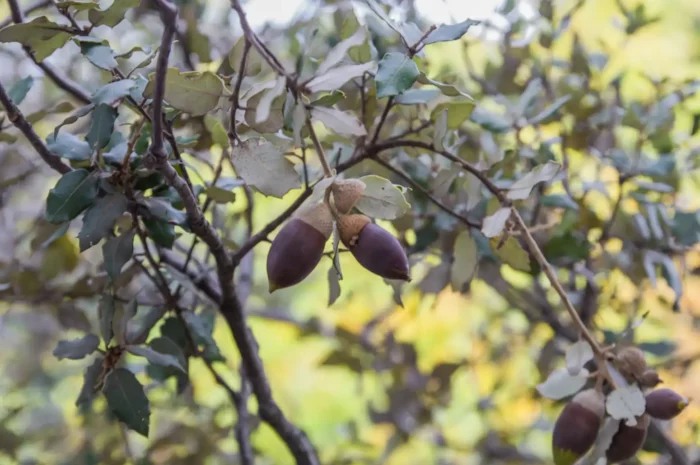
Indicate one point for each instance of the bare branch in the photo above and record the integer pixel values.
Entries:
(427, 194)
(17, 118)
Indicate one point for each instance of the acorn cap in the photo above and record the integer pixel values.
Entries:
(349, 227)
(294, 253)
(346, 193)
(576, 428)
(631, 363)
(665, 403)
(380, 252)
(318, 216)
(628, 440)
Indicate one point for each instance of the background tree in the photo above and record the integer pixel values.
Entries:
(542, 186)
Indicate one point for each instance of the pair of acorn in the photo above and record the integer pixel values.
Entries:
(298, 247)
(577, 426)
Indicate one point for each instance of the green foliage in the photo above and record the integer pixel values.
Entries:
(480, 158)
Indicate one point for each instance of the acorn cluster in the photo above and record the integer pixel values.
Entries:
(578, 424)
(298, 247)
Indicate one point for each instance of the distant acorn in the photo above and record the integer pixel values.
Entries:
(346, 193)
(665, 404)
(576, 429)
(298, 247)
(628, 440)
(373, 247)
(650, 379)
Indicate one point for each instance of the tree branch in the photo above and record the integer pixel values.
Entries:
(428, 195)
(297, 442)
(61, 81)
(30, 9)
(18, 120)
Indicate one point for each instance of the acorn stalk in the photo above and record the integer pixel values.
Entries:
(298, 247)
(576, 429)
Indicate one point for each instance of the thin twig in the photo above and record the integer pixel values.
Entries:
(61, 81)
(19, 121)
(319, 149)
(232, 134)
(29, 10)
(428, 195)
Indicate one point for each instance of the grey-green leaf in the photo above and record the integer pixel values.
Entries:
(397, 73)
(264, 167)
(156, 358)
(20, 89)
(113, 15)
(113, 91)
(548, 114)
(416, 96)
(73, 193)
(69, 147)
(77, 348)
(99, 55)
(102, 126)
(446, 33)
(117, 251)
(100, 218)
(192, 92)
(127, 400)
(79, 113)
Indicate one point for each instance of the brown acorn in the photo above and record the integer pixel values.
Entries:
(373, 247)
(346, 193)
(650, 379)
(298, 247)
(577, 427)
(665, 404)
(628, 440)
(631, 363)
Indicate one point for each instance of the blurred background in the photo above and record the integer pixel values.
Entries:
(429, 374)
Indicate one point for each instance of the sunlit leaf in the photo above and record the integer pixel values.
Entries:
(542, 173)
(561, 384)
(340, 51)
(466, 261)
(43, 36)
(110, 93)
(193, 92)
(626, 403)
(264, 167)
(577, 355)
(494, 224)
(339, 121)
(113, 15)
(382, 199)
(337, 77)
(511, 253)
(446, 33)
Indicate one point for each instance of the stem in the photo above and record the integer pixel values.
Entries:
(321, 154)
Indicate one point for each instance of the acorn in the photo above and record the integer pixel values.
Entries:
(650, 379)
(577, 427)
(373, 247)
(346, 193)
(628, 440)
(631, 363)
(298, 247)
(665, 403)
